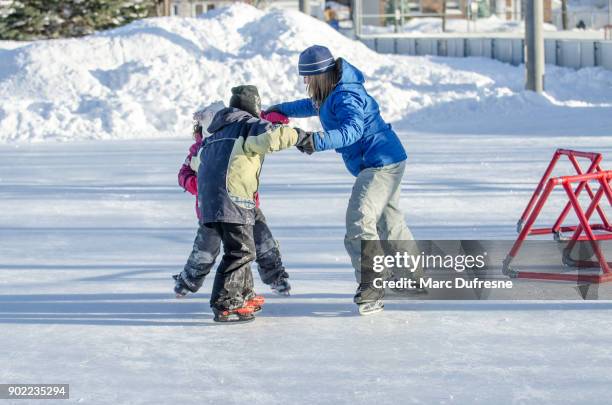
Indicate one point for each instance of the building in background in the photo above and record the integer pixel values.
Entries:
(515, 9)
(590, 14)
(193, 8)
(504, 9)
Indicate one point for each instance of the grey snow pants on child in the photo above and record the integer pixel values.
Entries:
(373, 211)
(206, 249)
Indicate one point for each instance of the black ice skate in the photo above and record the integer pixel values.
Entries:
(256, 302)
(370, 308)
(281, 286)
(238, 315)
(181, 289)
(369, 299)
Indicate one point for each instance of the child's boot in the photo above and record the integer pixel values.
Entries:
(182, 286)
(281, 286)
(238, 315)
(256, 302)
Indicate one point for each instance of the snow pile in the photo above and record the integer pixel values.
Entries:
(145, 79)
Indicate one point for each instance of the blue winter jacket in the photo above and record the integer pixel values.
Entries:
(352, 124)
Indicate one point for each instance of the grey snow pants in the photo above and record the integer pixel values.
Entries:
(373, 211)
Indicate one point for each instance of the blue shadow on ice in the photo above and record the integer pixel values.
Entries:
(160, 309)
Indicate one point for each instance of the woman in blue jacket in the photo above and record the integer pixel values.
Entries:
(371, 151)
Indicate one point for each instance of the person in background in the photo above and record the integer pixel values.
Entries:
(331, 17)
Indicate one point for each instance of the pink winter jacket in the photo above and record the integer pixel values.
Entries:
(187, 178)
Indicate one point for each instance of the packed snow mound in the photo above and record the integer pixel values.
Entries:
(147, 78)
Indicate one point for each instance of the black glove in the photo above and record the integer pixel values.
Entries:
(272, 108)
(305, 143)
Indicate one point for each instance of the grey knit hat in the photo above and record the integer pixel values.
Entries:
(246, 98)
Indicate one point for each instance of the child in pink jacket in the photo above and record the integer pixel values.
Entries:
(269, 263)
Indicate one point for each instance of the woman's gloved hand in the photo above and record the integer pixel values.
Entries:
(305, 143)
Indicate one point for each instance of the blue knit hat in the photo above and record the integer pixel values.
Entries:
(315, 60)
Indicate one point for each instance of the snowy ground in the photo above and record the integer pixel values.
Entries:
(91, 232)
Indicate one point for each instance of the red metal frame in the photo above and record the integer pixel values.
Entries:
(584, 231)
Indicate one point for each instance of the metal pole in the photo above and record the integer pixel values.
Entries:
(539, 42)
(305, 6)
(444, 15)
(357, 17)
(470, 16)
(564, 22)
(397, 15)
(534, 42)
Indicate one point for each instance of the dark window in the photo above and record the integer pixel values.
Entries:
(210, 7)
(199, 9)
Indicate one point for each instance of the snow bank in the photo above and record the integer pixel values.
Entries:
(145, 79)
